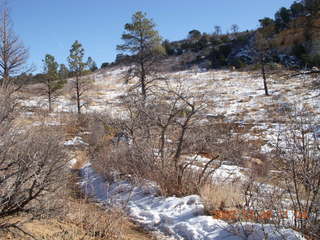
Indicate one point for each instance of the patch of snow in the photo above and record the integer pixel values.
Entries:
(76, 141)
(72, 162)
(181, 218)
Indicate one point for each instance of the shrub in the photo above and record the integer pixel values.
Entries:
(97, 223)
(221, 196)
(31, 167)
(160, 140)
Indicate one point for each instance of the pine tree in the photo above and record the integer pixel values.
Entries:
(77, 67)
(144, 43)
(52, 81)
(63, 72)
(92, 66)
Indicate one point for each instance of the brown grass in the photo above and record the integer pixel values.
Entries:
(80, 218)
(87, 222)
(96, 223)
(221, 196)
(73, 124)
(82, 159)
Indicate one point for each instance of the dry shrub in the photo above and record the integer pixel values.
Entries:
(75, 124)
(169, 186)
(159, 153)
(221, 196)
(259, 164)
(32, 166)
(159, 132)
(73, 188)
(100, 224)
(81, 221)
(102, 130)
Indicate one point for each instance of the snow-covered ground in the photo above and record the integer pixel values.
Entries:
(179, 218)
(234, 96)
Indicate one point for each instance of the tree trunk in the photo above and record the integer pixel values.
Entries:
(49, 96)
(143, 81)
(78, 95)
(263, 71)
(50, 100)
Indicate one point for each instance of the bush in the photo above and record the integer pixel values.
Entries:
(162, 133)
(221, 196)
(298, 50)
(97, 223)
(31, 167)
(300, 166)
(238, 63)
(311, 61)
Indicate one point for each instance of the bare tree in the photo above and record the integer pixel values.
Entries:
(298, 150)
(217, 30)
(234, 29)
(13, 55)
(263, 47)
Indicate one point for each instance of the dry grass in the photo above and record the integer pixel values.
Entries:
(73, 124)
(85, 222)
(79, 219)
(82, 158)
(96, 223)
(221, 196)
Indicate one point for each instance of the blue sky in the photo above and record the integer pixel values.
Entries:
(51, 26)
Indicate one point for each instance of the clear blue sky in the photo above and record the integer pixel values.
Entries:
(51, 26)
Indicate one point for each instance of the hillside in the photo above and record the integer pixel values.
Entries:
(290, 39)
(212, 137)
(229, 99)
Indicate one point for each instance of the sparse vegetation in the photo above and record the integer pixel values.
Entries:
(167, 148)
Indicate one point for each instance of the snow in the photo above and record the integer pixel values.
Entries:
(76, 141)
(228, 173)
(234, 96)
(223, 173)
(72, 162)
(180, 218)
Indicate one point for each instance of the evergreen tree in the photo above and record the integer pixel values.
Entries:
(51, 78)
(168, 47)
(312, 6)
(297, 9)
(194, 35)
(63, 72)
(77, 67)
(104, 65)
(144, 43)
(92, 66)
(282, 18)
(265, 22)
